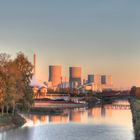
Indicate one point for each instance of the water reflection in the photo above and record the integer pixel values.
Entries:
(107, 114)
(108, 122)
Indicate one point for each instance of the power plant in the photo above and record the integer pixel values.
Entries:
(55, 75)
(75, 76)
(56, 81)
(100, 82)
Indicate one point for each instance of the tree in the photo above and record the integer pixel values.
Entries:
(2, 91)
(15, 77)
(4, 60)
(133, 91)
(13, 93)
(25, 68)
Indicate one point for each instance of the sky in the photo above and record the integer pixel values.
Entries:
(101, 36)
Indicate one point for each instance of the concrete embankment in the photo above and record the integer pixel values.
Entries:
(8, 122)
(135, 107)
(45, 111)
(60, 105)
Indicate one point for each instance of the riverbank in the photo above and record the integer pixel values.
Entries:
(58, 104)
(99, 123)
(135, 107)
(45, 111)
(8, 122)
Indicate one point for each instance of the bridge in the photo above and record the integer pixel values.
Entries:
(114, 95)
(117, 107)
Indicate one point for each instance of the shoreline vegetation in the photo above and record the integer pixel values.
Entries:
(15, 90)
(8, 122)
(135, 108)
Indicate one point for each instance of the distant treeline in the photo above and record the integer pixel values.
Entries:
(15, 76)
(135, 91)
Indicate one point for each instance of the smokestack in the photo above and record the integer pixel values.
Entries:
(34, 64)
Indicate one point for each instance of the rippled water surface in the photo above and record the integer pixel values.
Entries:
(109, 122)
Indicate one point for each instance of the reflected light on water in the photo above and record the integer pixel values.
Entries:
(108, 122)
(97, 115)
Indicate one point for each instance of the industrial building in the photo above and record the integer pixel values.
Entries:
(75, 76)
(103, 79)
(94, 79)
(55, 75)
(90, 78)
(99, 82)
(58, 83)
(109, 80)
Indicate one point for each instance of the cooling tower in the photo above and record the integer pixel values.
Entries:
(75, 76)
(55, 74)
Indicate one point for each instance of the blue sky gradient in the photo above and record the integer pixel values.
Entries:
(102, 36)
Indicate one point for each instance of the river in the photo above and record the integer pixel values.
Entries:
(108, 122)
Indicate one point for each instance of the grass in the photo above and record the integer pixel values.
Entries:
(5, 119)
(10, 120)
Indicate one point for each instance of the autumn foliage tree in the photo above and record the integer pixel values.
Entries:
(4, 60)
(24, 68)
(15, 76)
